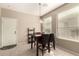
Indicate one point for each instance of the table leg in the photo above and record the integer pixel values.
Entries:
(54, 44)
(37, 49)
(49, 47)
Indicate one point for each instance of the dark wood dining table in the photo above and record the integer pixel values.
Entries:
(36, 36)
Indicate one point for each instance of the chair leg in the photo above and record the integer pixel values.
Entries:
(37, 53)
(42, 53)
(31, 42)
(34, 44)
(54, 44)
(31, 45)
(49, 47)
(42, 50)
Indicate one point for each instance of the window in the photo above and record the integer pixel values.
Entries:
(47, 25)
(68, 24)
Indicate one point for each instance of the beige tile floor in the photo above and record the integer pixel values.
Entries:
(24, 50)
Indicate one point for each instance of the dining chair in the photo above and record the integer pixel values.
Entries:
(44, 43)
(31, 33)
(37, 34)
(52, 40)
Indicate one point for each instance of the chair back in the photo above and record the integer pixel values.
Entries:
(52, 37)
(45, 39)
(31, 33)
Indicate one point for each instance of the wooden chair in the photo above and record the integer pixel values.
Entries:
(30, 35)
(44, 43)
(52, 40)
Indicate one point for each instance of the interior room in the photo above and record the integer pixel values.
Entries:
(39, 29)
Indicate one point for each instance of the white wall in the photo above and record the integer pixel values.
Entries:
(0, 28)
(23, 22)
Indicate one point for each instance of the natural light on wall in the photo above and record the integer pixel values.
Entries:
(68, 24)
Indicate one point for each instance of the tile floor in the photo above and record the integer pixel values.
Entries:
(24, 50)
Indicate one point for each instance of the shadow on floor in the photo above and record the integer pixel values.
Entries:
(8, 47)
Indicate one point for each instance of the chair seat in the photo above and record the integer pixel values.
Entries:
(45, 48)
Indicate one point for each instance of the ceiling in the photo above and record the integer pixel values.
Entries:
(31, 8)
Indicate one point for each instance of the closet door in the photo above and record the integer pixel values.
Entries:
(8, 31)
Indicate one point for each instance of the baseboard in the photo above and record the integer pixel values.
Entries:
(8, 47)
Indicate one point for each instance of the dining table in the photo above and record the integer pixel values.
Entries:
(36, 36)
